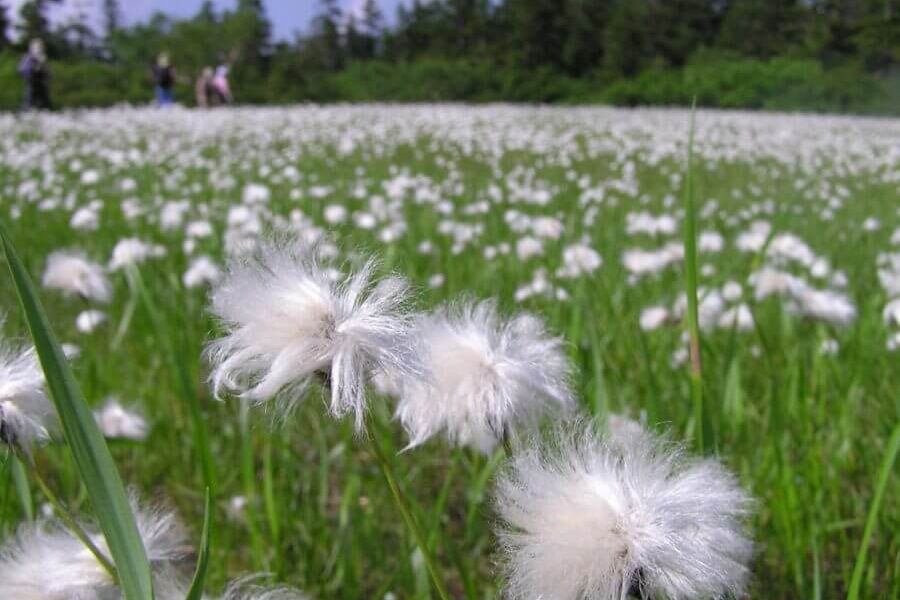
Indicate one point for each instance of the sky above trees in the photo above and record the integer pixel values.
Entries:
(287, 16)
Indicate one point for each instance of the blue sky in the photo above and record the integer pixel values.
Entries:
(287, 16)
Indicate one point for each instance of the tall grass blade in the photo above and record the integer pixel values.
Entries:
(95, 464)
(199, 580)
(884, 475)
(690, 260)
(23, 490)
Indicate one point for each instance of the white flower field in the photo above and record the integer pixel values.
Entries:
(208, 274)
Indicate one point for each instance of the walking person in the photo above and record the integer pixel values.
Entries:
(164, 80)
(203, 88)
(221, 85)
(36, 72)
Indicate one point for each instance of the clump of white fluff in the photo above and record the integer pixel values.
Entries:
(487, 375)
(74, 275)
(47, 562)
(591, 519)
(288, 321)
(26, 414)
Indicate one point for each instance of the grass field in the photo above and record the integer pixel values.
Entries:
(799, 248)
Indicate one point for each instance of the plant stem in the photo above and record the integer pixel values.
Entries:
(68, 520)
(406, 512)
(690, 259)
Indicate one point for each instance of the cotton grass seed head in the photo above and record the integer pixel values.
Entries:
(45, 561)
(288, 322)
(26, 414)
(74, 275)
(487, 375)
(586, 518)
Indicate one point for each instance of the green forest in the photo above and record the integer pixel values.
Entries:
(806, 55)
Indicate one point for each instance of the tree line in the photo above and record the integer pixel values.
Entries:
(794, 54)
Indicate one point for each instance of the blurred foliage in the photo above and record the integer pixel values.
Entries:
(822, 55)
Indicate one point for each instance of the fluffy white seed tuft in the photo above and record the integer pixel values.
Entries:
(46, 562)
(26, 414)
(288, 321)
(74, 275)
(591, 519)
(487, 376)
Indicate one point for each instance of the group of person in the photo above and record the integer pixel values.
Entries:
(210, 89)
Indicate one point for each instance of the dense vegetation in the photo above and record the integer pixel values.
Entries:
(819, 55)
(837, 55)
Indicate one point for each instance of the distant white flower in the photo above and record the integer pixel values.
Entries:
(528, 247)
(172, 214)
(754, 238)
(90, 177)
(45, 561)
(891, 312)
(584, 518)
(732, 291)
(335, 214)
(26, 414)
(737, 317)
(829, 347)
(641, 262)
(132, 251)
(871, 224)
(74, 275)
(117, 421)
(201, 271)
(893, 342)
(364, 220)
(255, 193)
(547, 227)
(85, 219)
(436, 280)
(89, 320)
(198, 229)
(488, 376)
(643, 222)
(579, 259)
(710, 241)
(288, 322)
(653, 317)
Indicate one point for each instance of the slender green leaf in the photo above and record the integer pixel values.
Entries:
(23, 490)
(884, 475)
(196, 591)
(95, 464)
(690, 269)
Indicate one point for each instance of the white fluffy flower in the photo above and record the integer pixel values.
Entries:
(201, 271)
(26, 414)
(487, 376)
(132, 251)
(653, 317)
(73, 274)
(287, 322)
(47, 562)
(117, 421)
(89, 320)
(579, 259)
(586, 519)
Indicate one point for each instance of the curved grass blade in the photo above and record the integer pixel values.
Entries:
(884, 475)
(196, 591)
(89, 449)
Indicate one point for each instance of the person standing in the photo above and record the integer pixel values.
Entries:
(36, 72)
(164, 80)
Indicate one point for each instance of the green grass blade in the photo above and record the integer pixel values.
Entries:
(196, 591)
(884, 475)
(23, 490)
(95, 464)
(690, 268)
